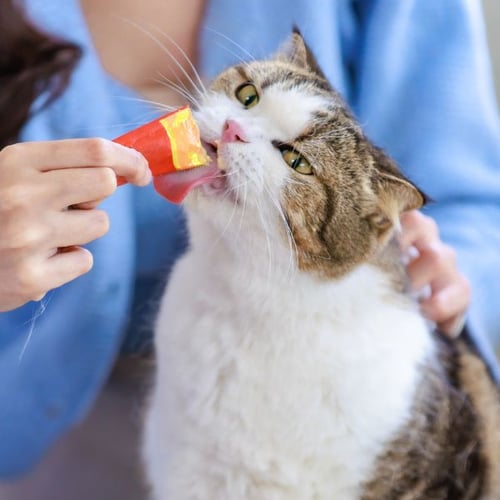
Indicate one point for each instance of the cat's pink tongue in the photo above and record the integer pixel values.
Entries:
(175, 186)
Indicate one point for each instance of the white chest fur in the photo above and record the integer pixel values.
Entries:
(277, 391)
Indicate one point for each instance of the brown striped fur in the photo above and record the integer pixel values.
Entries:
(450, 449)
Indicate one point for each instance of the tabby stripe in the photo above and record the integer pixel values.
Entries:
(329, 209)
(241, 70)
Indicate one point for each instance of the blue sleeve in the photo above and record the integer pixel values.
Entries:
(423, 90)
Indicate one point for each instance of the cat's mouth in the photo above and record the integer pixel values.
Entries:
(212, 149)
(176, 186)
(219, 184)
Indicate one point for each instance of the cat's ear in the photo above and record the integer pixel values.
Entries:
(296, 51)
(395, 193)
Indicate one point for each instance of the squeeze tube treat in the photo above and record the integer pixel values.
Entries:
(170, 143)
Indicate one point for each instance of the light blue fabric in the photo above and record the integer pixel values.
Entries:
(417, 76)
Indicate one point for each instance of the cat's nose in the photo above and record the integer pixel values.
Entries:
(233, 132)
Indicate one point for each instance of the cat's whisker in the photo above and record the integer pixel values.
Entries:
(226, 227)
(246, 53)
(178, 85)
(179, 81)
(243, 203)
(230, 173)
(180, 89)
(170, 54)
(264, 219)
(183, 71)
(42, 306)
(202, 88)
(237, 57)
(245, 198)
(228, 224)
(159, 106)
(253, 176)
(264, 230)
(105, 130)
(292, 246)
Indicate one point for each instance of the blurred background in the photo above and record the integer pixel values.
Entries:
(492, 15)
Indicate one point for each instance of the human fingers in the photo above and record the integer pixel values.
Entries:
(35, 223)
(447, 307)
(77, 187)
(417, 230)
(53, 231)
(433, 266)
(77, 153)
(449, 297)
(59, 189)
(66, 265)
(29, 255)
(33, 279)
(78, 227)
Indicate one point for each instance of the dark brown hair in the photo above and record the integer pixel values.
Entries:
(32, 64)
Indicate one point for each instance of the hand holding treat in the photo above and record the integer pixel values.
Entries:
(49, 192)
(173, 148)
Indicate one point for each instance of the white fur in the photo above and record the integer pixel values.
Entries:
(276, 389)
(272, 384)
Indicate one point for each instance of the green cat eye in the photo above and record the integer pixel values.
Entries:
(247, 94)
(296, 161)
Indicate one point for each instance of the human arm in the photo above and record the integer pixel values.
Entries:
(48, 196)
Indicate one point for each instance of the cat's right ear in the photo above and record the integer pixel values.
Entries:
(396, 194)
(296, 51)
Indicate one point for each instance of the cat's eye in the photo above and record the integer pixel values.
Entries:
(296, 161)
(247, 94)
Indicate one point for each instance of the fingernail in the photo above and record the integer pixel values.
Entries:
(456, 327)
(148, 176)
(141, 157)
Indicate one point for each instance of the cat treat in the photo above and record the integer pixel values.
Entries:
(170, 143)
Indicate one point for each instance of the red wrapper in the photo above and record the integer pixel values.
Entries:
(170, 143)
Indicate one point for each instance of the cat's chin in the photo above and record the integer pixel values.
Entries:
(219, 187)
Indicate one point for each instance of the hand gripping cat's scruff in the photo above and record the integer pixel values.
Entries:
(291, 362)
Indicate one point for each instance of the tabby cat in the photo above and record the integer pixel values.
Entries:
(292, 363)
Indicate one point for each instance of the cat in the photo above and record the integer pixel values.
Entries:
(292, 361)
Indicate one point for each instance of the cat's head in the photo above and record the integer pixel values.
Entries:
(294, 165)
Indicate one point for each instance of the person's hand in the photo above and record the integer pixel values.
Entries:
(48, 197)
(433, 265)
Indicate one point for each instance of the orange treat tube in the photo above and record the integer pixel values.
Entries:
(170, 143)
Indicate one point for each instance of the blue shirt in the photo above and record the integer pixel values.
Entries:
(416, 74)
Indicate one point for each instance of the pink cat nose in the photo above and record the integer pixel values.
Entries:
(232, 132)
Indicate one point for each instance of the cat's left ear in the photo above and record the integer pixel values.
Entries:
(395, 193)
(296, 51)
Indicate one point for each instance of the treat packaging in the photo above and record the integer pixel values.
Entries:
(170, 143)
